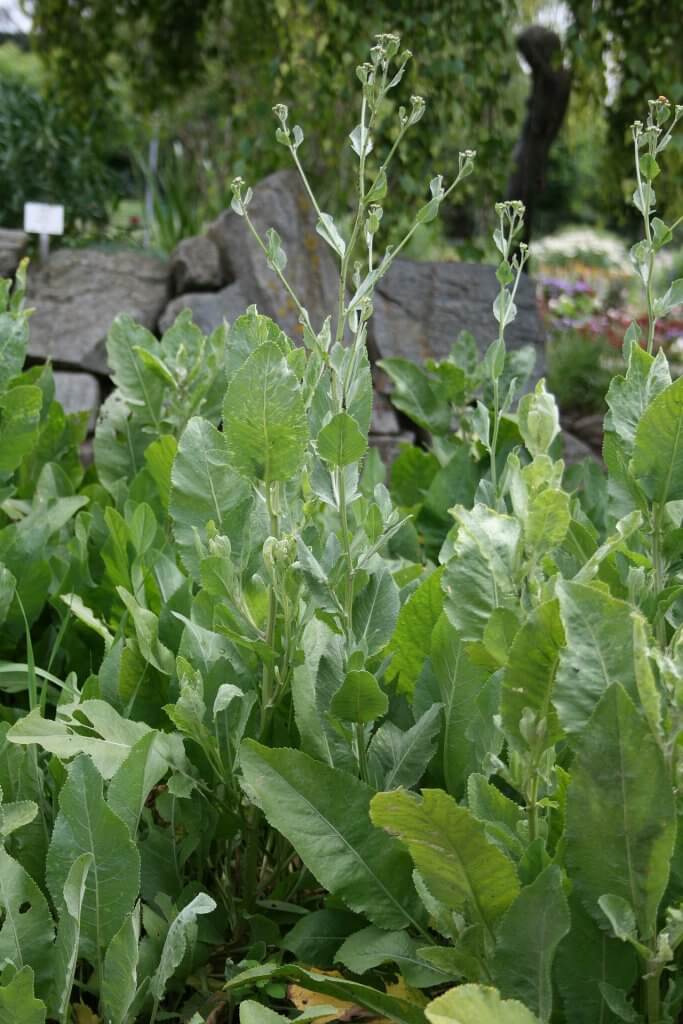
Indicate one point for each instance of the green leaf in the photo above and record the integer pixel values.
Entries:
(120, 972)
(340, 442)
(449, 847)
(18, 1004)
(381, 1003)
(137, 383)
(13, 341)
(499, 813)
(629, 396)
(146, 625)
(481, 575)
(599, 651)
(621, 823)
(324, 813)
(530, 674)
(205, 488)
(264, 418)
(246, 334)
(460, 685)
(133, 781)
(19, 424)
(85, 824)
(411, 643)
(588, 958)
(252, 1012)
(419, 395)
(318, 935)
(15, 815)
(359, 698)
(27, 930)
(375, 612)
(527, 941)
(159, 456)
(547, 520)
(68, 936)
(398, 759)
(476, 1004)
(371, 947)
(62, 736)
(657, 461)
(180, 935)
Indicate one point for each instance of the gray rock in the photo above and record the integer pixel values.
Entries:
(209, 309)
(420, 308)
(195, 266)
(280, 202)
(13, 245)
(78, 392)
(80, 291)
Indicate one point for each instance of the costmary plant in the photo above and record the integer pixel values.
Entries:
(233, 662)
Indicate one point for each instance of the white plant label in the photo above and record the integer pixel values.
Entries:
(43, 219)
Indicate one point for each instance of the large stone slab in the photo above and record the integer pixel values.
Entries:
(78, 392)
(13, 245)
(80, 291)
(209, 309)
(280, 202)
(195, 266)
(420, 308)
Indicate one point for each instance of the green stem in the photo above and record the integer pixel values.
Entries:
(653, 997)
(494, 438)
(346, 545)
(658, 566)
(268, 667)
(250, 861)
(362, 752)
(532, 807)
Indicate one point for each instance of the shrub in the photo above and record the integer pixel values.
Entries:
(266, 672)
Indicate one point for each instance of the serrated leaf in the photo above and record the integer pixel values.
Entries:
(340, 442)
(205, 488)
(477, 1004)
(657, 461)
(527, 940)
(264, 419)
(450, 850)
(85, 824)
(621, 823)
(598, 652)
(13, 341)
(324, 813)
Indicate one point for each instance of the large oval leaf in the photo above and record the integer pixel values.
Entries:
(658, 450)
(264, 418)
